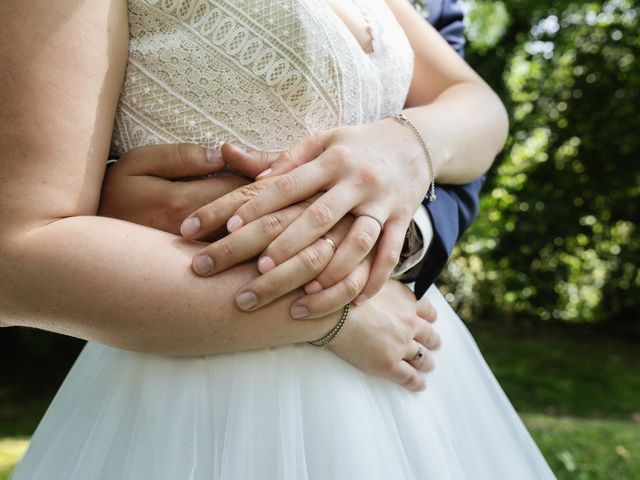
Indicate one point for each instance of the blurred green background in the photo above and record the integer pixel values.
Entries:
(547, 278)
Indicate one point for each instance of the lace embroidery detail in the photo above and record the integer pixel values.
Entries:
(263, 74)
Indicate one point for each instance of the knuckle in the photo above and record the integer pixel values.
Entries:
(207, 215)
(429, 364)
(285, 156)
(320, 215)
(341, 153)
(371, 176)
(390, 257)
(263, 157)
(364, 241)
(339, 161)
(271, 226)
(410, 322)
(287, 184)
(353, 287)
(227, 248)
(247, 192)
(250, 210)
(312, 259)
(282, 248)
(266, 290)
(412, 379)
(178, 206)
(189, 153)
(387, 365)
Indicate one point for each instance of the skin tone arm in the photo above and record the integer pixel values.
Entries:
(110, 281)
(377, 168)
(62, 267)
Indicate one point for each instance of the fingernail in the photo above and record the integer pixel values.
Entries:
(300, 311)
(214, 157)
(265, 173)
(190, 227)
(313, 287)
(360, 300)
(234, 223)
(203, 264)
(265, 264)
(246, 300)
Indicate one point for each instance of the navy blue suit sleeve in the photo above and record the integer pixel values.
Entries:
(451, 214)
(457, 205)
(447, 17)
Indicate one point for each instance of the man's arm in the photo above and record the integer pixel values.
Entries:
(457, 205)
(447, 17)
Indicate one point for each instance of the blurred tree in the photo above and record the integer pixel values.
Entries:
(557, 236)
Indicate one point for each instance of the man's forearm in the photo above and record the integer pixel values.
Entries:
(131, 287)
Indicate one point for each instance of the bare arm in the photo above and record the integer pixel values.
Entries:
(462, 119)
(377, 168)
(63, 269)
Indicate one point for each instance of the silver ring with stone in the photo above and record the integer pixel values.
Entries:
(419, 354)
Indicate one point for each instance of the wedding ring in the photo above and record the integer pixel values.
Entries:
(419, 354)
(331, 242)
(364, 214)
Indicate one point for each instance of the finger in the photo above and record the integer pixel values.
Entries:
(165, 204)
(314, 222)
(284, 190)
(171, 161)
(361, 238)
(245, 243)
(214, 215)
(406, 375)
(426, 310)
(419, 358)
(285, 277)
(297, 155)
(249, 163)
(200, 192)
(335, 297)
(387, 257)
(427, 336)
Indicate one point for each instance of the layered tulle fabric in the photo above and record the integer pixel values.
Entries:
(288, 413)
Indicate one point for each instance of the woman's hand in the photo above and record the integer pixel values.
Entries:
(376, 169)
(383, 337)
(151, 185)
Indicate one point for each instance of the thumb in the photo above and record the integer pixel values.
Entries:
(249, 164)
(299, 154)
(171, 161)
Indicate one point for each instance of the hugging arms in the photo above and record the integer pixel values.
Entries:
(114, 282)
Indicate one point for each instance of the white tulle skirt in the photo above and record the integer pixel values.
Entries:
(286, 413)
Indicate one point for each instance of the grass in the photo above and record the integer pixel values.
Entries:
(578, 392)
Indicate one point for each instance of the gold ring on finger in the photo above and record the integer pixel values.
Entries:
(331, 242)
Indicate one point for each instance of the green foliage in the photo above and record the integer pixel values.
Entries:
(557, 237)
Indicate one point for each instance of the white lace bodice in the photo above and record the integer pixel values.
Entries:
(261, 73)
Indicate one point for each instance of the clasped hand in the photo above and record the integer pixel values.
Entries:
(371, 169)
(159, 185)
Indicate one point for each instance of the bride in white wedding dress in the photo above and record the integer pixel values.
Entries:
(264, 75)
